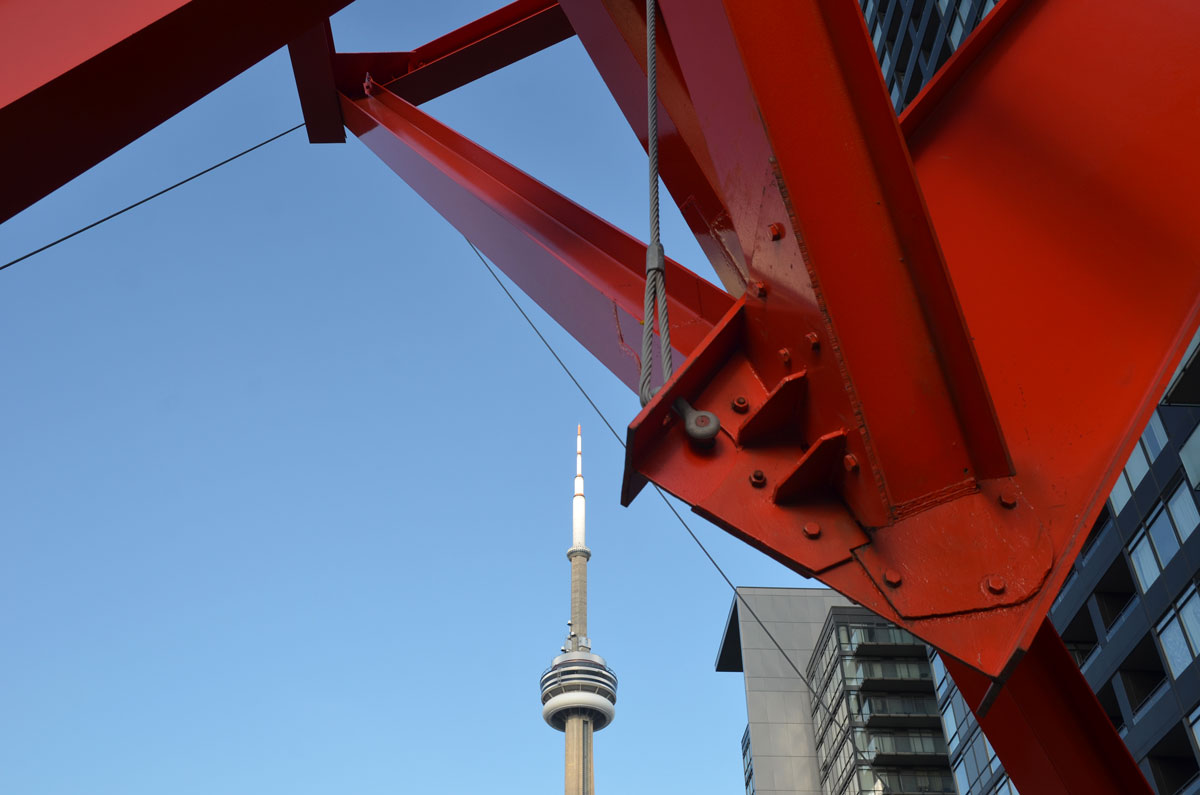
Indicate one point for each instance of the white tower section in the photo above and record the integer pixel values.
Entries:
(579, 691)
(577, 503)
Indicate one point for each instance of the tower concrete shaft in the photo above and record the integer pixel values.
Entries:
(579, 637)
(579, 691)
(581, 774)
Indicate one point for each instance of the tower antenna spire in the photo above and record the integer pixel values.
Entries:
(579, 691)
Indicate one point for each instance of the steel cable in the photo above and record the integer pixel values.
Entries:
(155, 195)
(656, 288)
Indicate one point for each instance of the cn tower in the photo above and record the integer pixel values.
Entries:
(579, 692)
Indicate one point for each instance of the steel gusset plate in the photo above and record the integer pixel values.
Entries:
(970, 496)
(785, 475)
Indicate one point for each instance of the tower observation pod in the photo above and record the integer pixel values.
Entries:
(579, 690)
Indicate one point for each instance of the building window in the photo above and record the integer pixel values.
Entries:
(1145, 565)
(1179, 632)
(950, 728)
(1155, 437)
(1183, 510)
(1154, 546)
(1190, 454)
(1153, 440)
(748, 762)
(975, 765)
(1162, 533)
(940, 679)
(1005, 787)
(1120, 494)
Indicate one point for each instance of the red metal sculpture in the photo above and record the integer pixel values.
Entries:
(939, 336)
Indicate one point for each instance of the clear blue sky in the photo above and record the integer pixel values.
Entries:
(285, 481)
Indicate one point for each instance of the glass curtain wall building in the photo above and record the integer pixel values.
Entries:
(914, 38)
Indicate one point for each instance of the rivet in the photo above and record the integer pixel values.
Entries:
(850, 461)
(813, 339)
(758, 479)
(740, 405)
(776, 231)
(995, 584)
(892, 578)
(1008, 497)
(812, 530)
(785, 355)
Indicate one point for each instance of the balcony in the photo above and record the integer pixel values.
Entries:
(899, 712)
(883, 641)
(921, 748)
(898, 676)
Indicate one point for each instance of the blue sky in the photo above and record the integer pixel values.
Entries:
(285, 481)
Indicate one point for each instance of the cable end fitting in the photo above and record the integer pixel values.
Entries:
(701, 427)
(655, 259)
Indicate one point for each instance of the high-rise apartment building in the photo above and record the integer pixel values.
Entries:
(873, 727)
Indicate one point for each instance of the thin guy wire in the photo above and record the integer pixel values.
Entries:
(656, 289)
(816, 697)
(168, 189)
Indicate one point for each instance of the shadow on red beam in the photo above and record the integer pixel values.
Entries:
(80, 80)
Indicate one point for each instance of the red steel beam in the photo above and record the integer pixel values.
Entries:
(312, 64)
(115, 71)
(870, 419)
(1048, 359)
(486, 45)
(1069, 228)
(586, 273)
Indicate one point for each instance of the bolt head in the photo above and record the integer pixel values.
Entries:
(892, 578)
(995, 584)
(776, 231)
(758, 479)
(1008, 497)
(702, 420)
(785, 355)
(740, 405)
(850, 462)
(757, 289)
(813, 339)
(812, 530)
